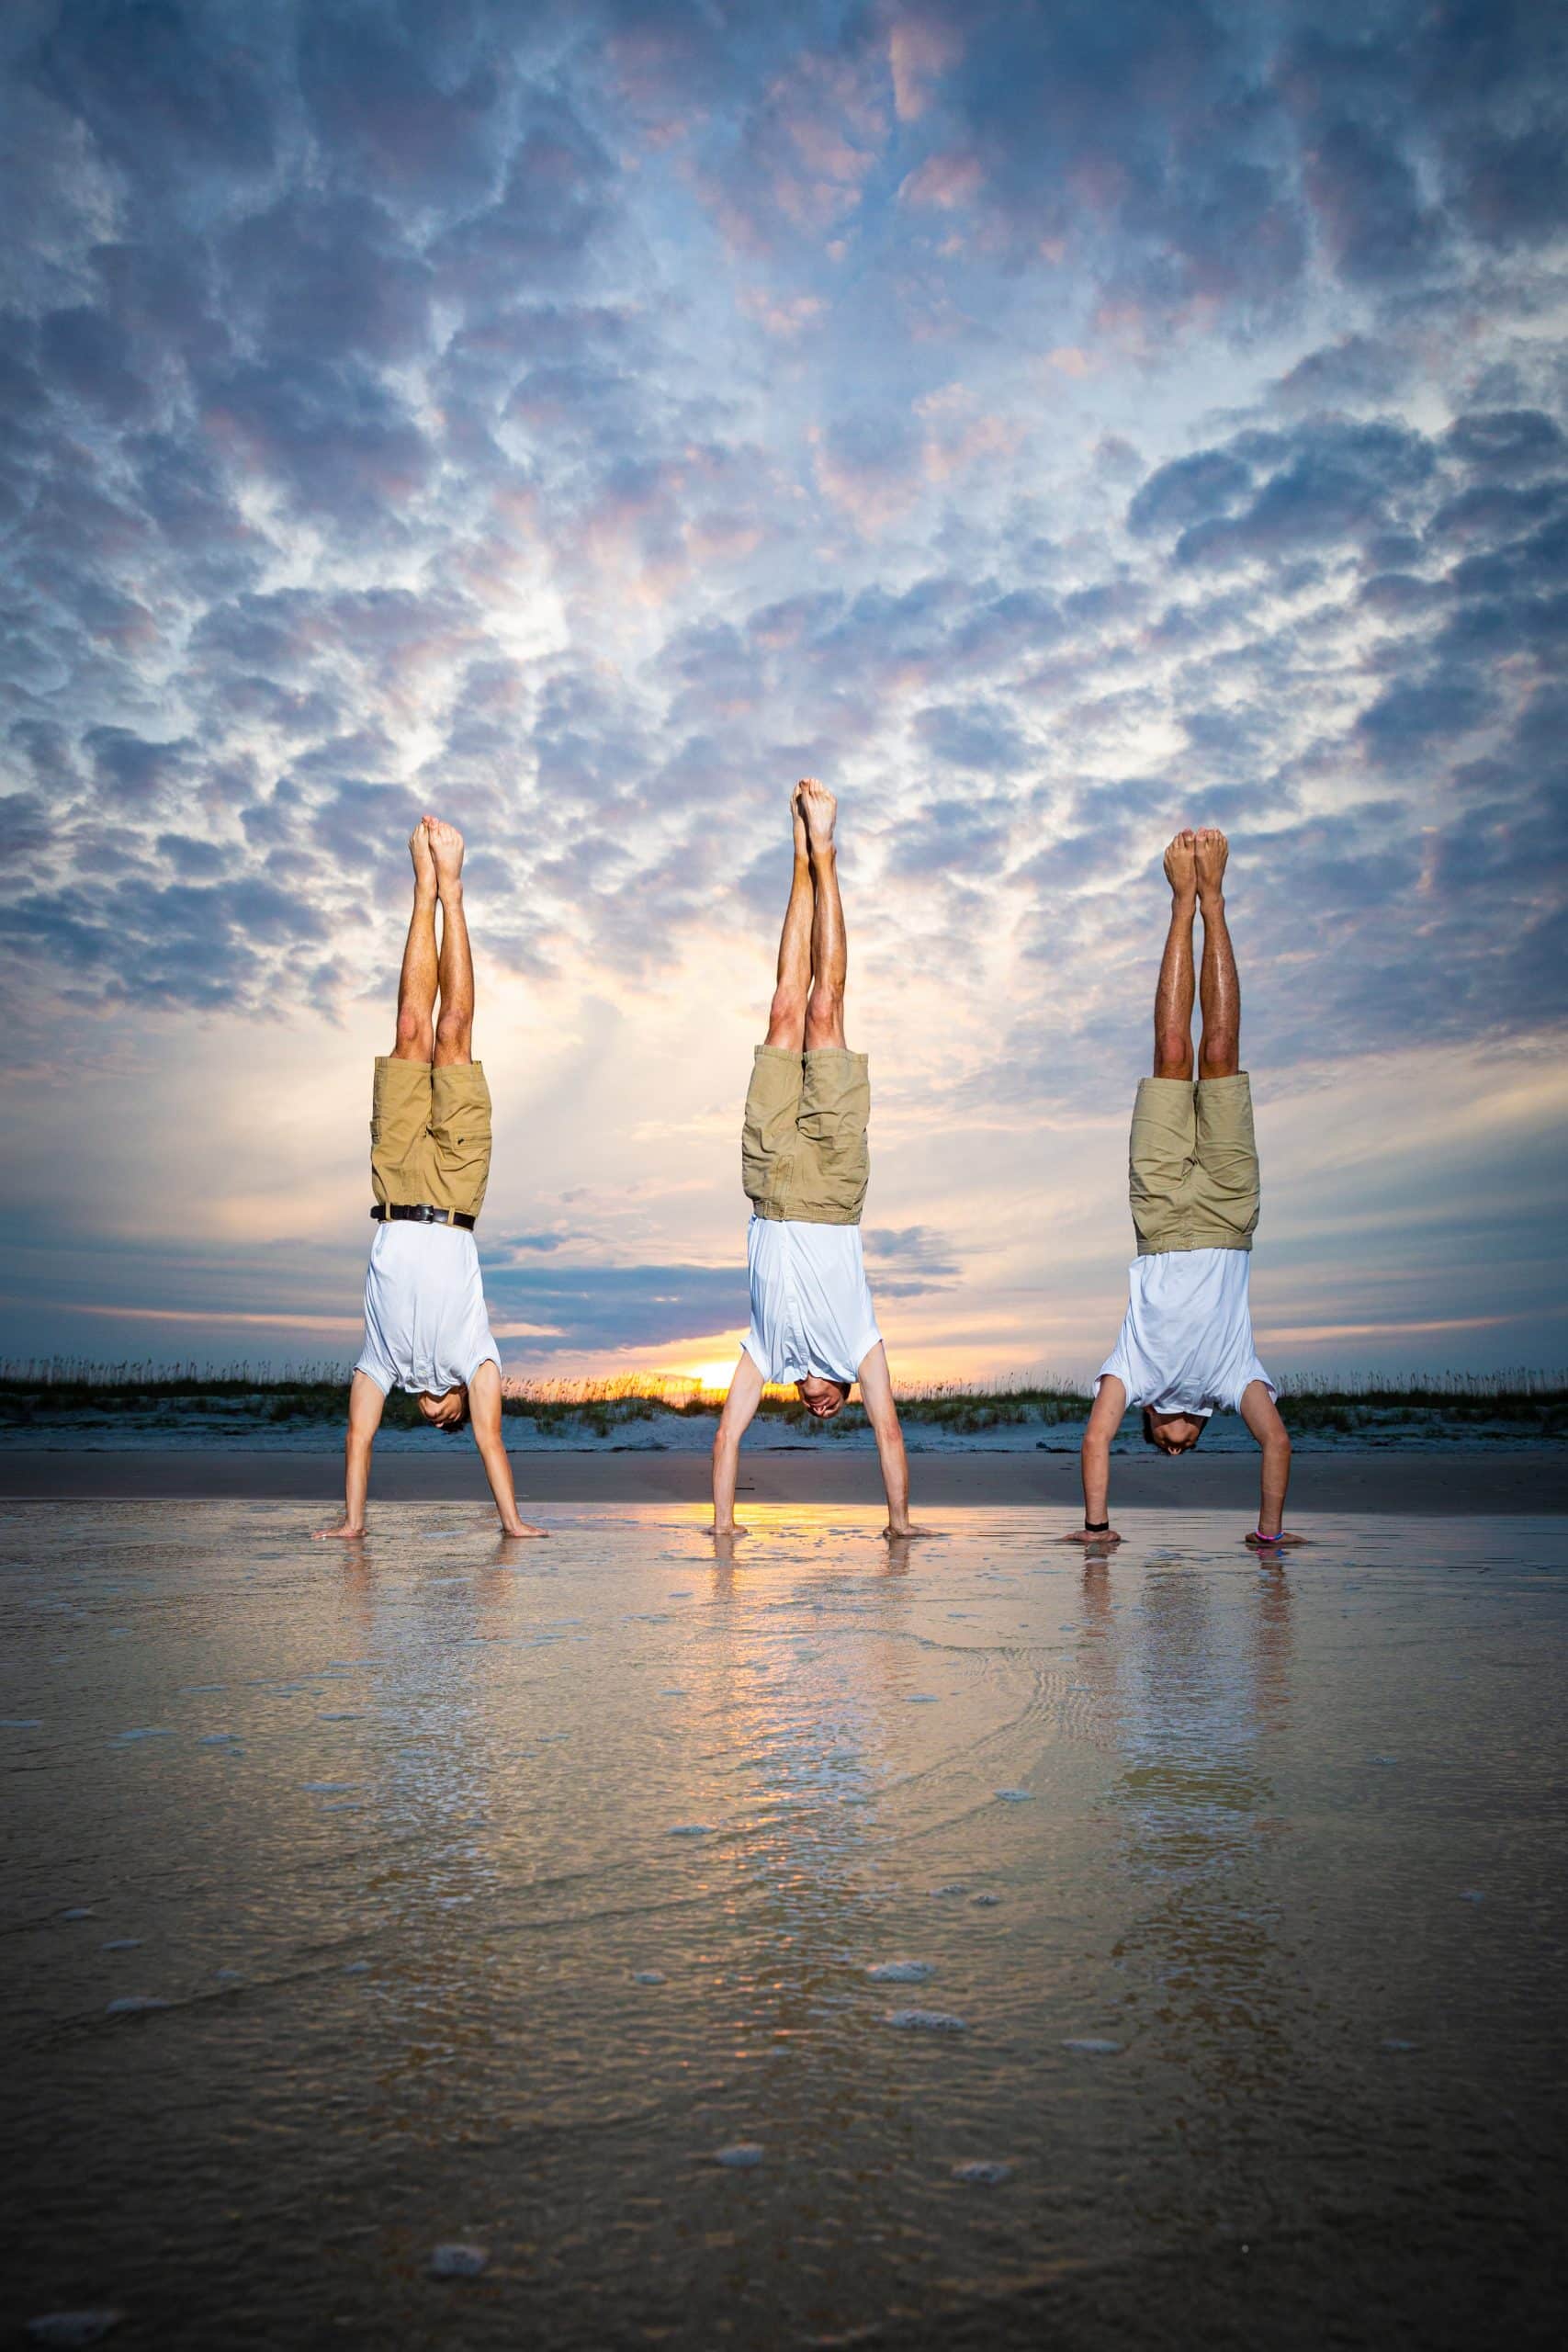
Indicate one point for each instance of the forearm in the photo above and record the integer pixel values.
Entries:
(1094, 1462)
(498, 1470)
(895, 1477)
(726, 1470)
(1275, 1485)
(355, 1480)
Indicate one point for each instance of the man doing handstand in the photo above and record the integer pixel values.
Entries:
(1185, 1350)
(805, 1164)
(425, 1325)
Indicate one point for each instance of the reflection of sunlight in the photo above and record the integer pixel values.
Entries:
(716, 1375)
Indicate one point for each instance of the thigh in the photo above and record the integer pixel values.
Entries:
(1224, 1179)
(768, 1132)
(833, 1167)
(1160, 1151)
(459, 1138)
(399, 1129)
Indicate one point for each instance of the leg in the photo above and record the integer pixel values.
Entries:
(830, 950)
(787, 1015)
(416, 983)
(1219, 1051)
(455, 1024)
(1173, 993)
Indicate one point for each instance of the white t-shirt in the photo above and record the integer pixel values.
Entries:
(1186, 1340)
(425, 1325)
(811, 1309)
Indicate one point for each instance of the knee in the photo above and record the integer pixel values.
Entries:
(1173, 1053)
(452, 1031)
(1221, 1054)
(413, 1030)
(825, 1015)
(788, 1005)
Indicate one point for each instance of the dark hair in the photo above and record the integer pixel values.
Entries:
(1150, 1439)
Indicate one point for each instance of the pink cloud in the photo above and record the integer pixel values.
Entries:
(944, 181)
(920, 50)
(805, 154)
(784, 316)
(872, 492)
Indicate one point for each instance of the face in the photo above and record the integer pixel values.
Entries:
(1175, 1432)
(822, 1398)
(444, 1412)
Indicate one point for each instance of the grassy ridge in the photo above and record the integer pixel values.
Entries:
(239, 1397)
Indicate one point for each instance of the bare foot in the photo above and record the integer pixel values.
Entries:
(523, 1527)
(446, 849)
(424, 864)
(799, 820)
(819, 808)
(1181, 863)
(1212, 849)
(343, 1534)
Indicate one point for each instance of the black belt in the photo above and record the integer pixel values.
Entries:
(419, 1212)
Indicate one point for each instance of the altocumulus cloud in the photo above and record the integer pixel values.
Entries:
(1055, 421)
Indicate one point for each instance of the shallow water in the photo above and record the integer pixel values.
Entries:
(974, 1947)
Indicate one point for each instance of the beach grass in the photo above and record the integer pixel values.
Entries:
(237, 1396)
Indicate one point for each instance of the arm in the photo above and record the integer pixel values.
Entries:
(1261, 1415)
(484, 1414)
(1094, 1457)
(367, 1402)
(739, 1409)
(877, 1395)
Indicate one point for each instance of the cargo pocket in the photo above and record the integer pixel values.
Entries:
(768, 1129)
(835, 1159)
(460, 1137)
(399, 1121)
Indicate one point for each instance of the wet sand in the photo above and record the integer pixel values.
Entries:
(981, 1949)
(1409, 1484)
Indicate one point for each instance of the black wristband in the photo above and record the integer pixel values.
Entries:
(1097, 1527)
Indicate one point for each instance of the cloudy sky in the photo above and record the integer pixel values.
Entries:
(1050, 422)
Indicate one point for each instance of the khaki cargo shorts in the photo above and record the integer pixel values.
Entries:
(1192, 1164)
(429, 1134)
(803, 1149)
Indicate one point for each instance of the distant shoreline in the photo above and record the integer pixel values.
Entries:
(1451, 1482)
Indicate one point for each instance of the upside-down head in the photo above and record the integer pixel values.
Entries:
(822, 1398)
(1172, 1432)
(449, 1411)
